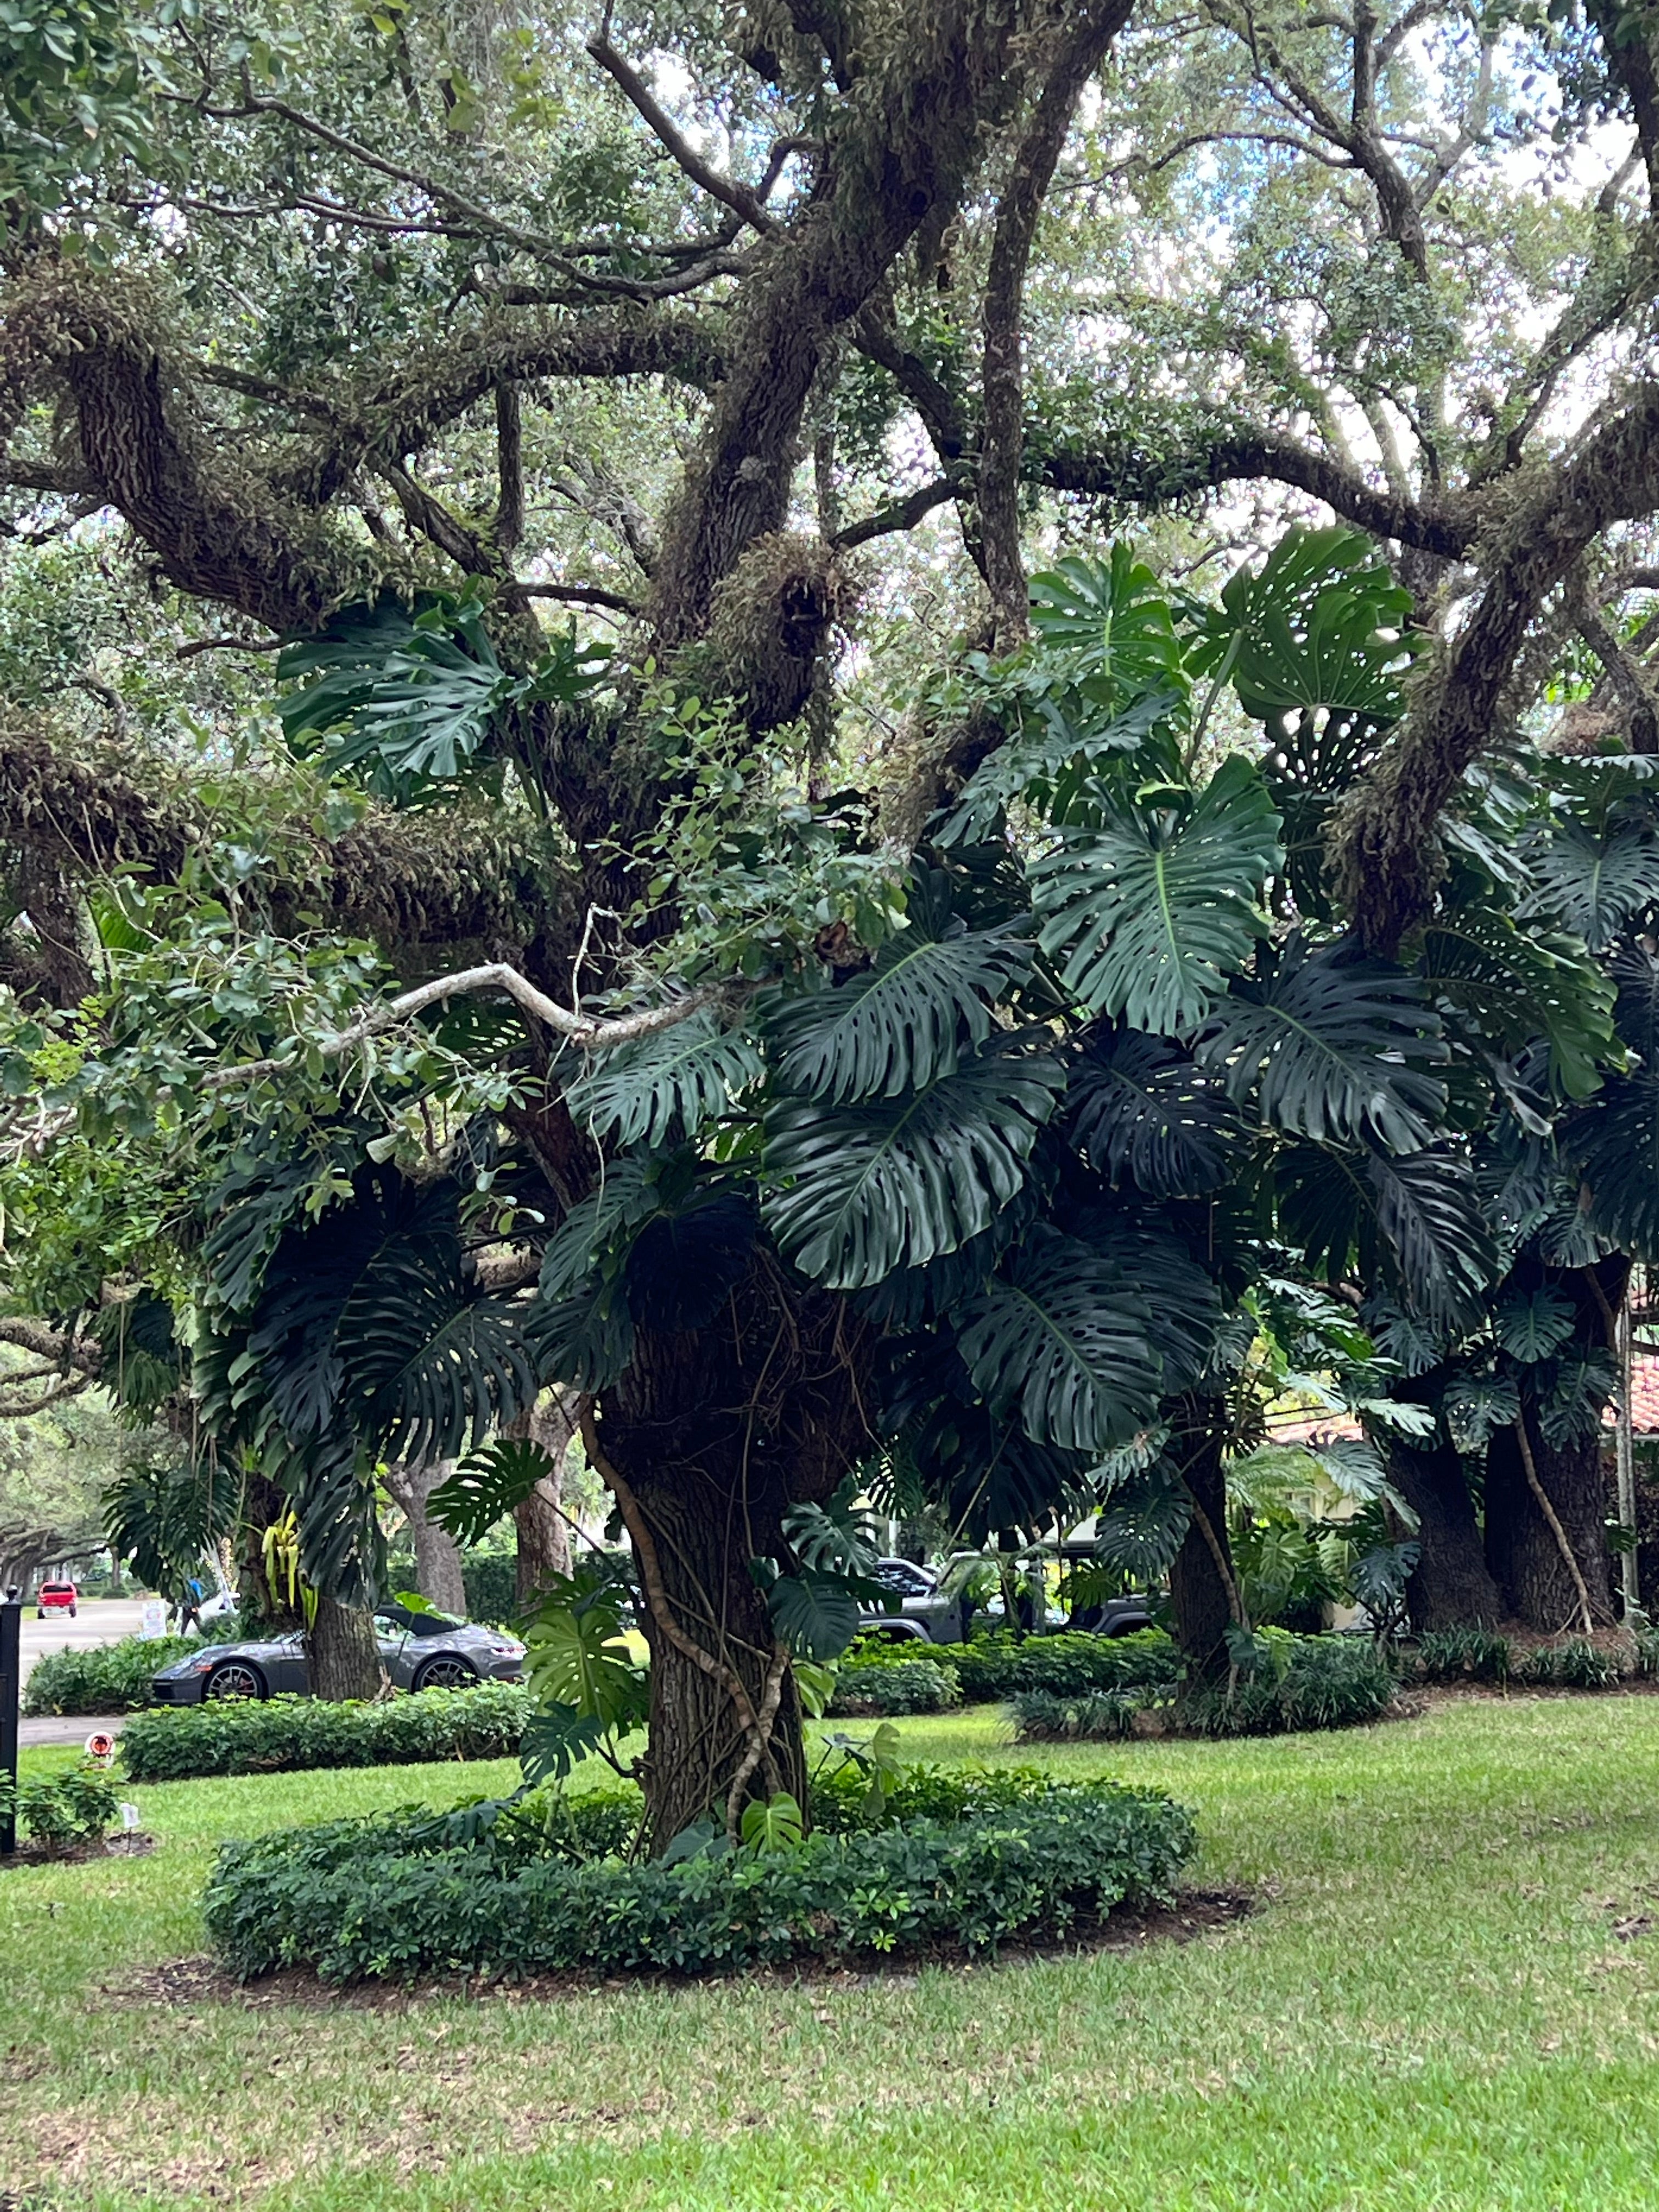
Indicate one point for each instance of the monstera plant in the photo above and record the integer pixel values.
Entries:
(957, 1182)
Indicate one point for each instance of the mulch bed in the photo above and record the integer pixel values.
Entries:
(185, 1983)
(135, 1844)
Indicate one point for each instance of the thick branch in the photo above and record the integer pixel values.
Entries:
(1080, 51)
(729, 190)
(1389, 860)
(1235, 456)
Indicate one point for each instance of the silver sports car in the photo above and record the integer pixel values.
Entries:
(419, 1652)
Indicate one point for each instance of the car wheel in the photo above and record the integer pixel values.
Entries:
(447, 1672)
(236, 1678)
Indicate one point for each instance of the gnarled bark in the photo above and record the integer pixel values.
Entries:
(343, 1653)
(437, 1556)
(1203, 1584)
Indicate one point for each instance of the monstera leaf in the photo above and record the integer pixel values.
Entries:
(1150, 910)
(1060, 1338)
(1414, 1226)
(853, 1192)
(1141, 1108)
(484, 1488)
(1031, 766)
(1533, 1325)
(1597, 885)
(907, 1020)
(414, 697)
(1613, 1142)
(1512, 985)
(664, 1086)
(1331, 1047)
(1112, 618)
(1321, 642)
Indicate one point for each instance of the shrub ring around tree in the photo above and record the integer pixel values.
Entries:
(279, 1734)
(357, 1901)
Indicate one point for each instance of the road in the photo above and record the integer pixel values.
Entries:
(98, 1620)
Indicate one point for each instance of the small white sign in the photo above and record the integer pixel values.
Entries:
(153, 1618)
(129, 1816)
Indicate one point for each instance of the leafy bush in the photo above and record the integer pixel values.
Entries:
(1574, 1665)
(281, 1733)
(1301, 1682)
(1294, 1682)
(1647, 1652)
(885, 1687)
(108, 1678)
(354, 1898)
(58, 1811)
(1464, 1654)
(1045, 1716)
(1070, 1664)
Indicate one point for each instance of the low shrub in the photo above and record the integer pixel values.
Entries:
(353, 1900)
(1575, 1664)
(1463, 1655)
(884, 1687)
(266, 1737)
(1044, 1717)
(106, 1678)
(1299, 1682)
(58, 1811)
(1302, 1682)
(1070, 1664)
(1647, 1650)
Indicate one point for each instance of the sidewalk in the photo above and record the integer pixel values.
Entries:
(69, 1728)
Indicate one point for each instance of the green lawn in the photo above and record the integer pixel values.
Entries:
(1431, 2009)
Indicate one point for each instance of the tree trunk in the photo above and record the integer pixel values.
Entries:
(1452, 1585)
(1522, 1549)
(706, 1443)
(437, 1555)
(544, 1536)
(343, 1652)
(1203, 1588)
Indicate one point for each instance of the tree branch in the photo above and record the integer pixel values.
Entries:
(729, 190)
(1081, 49)
(903, 514)
(493, 975)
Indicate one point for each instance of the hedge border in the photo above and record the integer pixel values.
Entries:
(353, 1904)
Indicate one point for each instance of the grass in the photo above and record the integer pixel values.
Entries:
(1441, 2006)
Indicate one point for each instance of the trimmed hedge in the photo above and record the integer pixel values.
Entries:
(1304, 1682)
(865, 1690)
(1070, 1664)
(490, 1580)
(353, 1900)
(106, 1678)
(270, 1736)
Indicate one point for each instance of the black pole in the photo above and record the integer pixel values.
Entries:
(11, 1677)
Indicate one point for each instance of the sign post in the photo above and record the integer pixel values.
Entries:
(152, 1619)
(11, 1681)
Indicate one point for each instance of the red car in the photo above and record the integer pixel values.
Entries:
(56, 1597)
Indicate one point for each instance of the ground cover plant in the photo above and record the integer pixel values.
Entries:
(1306, 2057)
(60, 1811)
(270, 1734)
(919, 1682)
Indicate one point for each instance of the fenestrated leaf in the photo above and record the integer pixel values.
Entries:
(584, 1339)
(1141, 1108)
(1323, 625)
(904, 1021)
(1144, 1525)
(1028, 767)
(817, 1613)
(853, 1192)
(1533, 1325)
(1112, 618)
(1475, 1406)
(466, 1370)
(626, 1195)
(1415, 1222)
(1058, 1337)
(1331, 1048)
(555, 1737)
(484, 1488)
(1598, 885)
(668, 1083)
(575, 1654)
(841, 1537)
(1150, 912)
(1512, 985)
(1614, 1144)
